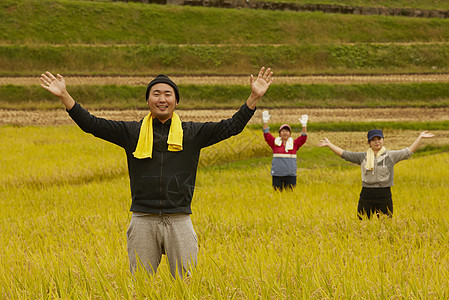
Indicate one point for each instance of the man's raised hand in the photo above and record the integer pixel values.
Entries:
(55, 85)
(260, 85)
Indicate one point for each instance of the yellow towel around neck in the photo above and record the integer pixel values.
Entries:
(370, 157)
(144, 147)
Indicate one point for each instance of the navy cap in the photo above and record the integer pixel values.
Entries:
(161, 78)
(375, 132)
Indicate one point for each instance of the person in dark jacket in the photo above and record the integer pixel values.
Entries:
(162, 154)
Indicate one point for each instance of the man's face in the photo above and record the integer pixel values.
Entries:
(162, 101)
(376, 143)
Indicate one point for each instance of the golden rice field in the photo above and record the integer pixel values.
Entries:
(64, 199)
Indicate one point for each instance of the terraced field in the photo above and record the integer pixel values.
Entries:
(59, 117)
(241, 80)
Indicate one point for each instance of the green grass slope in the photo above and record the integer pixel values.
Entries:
(417, 4)
(117, 38)
(297, 59)
(74, 22)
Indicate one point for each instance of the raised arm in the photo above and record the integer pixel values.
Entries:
(116, 132)
(56, 86)
(424, 135)
(326, 143)
(259, 86)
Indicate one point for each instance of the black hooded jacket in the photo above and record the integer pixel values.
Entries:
(163, 184)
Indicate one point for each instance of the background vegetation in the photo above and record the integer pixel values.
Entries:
(423, 4)
(307, 244)
(116, 38)
(223, 96)
(20, 60)
(74, 22)
(64, 195)
(80, 37)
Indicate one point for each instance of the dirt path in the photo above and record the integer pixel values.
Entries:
(60, 117)
(240, 80)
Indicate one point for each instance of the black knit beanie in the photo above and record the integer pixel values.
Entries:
(161, 78)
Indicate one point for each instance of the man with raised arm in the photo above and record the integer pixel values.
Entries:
(162, 154)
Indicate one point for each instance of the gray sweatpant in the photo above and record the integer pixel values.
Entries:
(149, 236)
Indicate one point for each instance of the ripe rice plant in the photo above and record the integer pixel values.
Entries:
(63, 228)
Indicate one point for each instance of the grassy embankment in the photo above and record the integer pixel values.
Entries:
(419, 4)
(300, 59)
(119, 38)
(64, 218)
(222, 96)
(93, 38)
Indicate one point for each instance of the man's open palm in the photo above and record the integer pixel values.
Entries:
(260, 85)
(55, 85)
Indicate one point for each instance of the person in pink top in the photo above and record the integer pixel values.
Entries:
(283, 165)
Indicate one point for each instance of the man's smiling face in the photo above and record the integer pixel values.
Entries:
(162, 101)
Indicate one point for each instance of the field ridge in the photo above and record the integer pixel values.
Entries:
(56, 117)
(239, 80)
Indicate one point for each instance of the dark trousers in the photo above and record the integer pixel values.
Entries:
(374, 201)
(281, 183)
